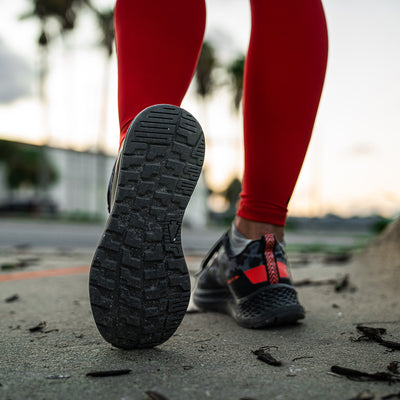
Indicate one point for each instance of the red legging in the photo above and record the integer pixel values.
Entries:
(158, 48)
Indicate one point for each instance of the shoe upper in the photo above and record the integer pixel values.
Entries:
(262, 263)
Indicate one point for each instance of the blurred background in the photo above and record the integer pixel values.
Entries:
(59, 120)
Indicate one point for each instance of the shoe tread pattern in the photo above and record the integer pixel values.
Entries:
(139, 283)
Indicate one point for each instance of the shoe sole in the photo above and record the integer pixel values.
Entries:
(275, 305)
(139, 284)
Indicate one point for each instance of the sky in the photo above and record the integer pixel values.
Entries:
(353, 160)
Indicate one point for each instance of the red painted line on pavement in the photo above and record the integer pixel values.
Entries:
(18, 276)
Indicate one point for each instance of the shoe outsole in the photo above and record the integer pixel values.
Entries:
(275, 305)
(139, 283)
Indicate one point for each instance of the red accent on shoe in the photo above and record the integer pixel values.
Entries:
(270, 259)
(283, 270)
(257, 274)
(233, 279)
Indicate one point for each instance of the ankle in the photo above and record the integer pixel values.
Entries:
(253, 230)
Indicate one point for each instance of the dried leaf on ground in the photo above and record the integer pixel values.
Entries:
(51, 330)
(375, 334)
(264, 355)
(12, 298)
(39, 327)
(151, 395)
(301, 358)
(115, 372)
(357, 375)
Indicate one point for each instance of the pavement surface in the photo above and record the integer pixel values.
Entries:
(209, 357)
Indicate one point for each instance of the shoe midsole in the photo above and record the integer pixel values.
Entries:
(223, 301)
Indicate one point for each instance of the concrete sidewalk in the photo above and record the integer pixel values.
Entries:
(209, 357)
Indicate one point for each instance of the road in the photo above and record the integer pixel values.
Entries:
(56, 234)
(209, 356)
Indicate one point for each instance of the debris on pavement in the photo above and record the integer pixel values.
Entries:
(393, 367)
(51, 330)
(375, 334)
(390, 344)
(58, 376)
(339, 284)
(364, 395)
(311, 282)
(264, 355)
(301, 358)
(356, 375)
(294, 370)
(14, 328)
(151, 395)
(370, 332)
(39, 327)
(342, 257)
(12, 298)
(115, 372)
(343, 283)
(391, 396)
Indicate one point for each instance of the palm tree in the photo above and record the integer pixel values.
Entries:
(105, 22)
(235, 71)
(204, 71)
(205, 82)
(64, 12)
(232, 193)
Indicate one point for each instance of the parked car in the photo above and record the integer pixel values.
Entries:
(41, 206)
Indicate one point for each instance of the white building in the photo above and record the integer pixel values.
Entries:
(83, 182)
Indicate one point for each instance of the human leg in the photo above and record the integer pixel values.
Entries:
(158, 45)
(245, 274)
(284, 74)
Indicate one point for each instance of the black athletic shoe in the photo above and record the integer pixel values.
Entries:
(139, 284)
(254, 286)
